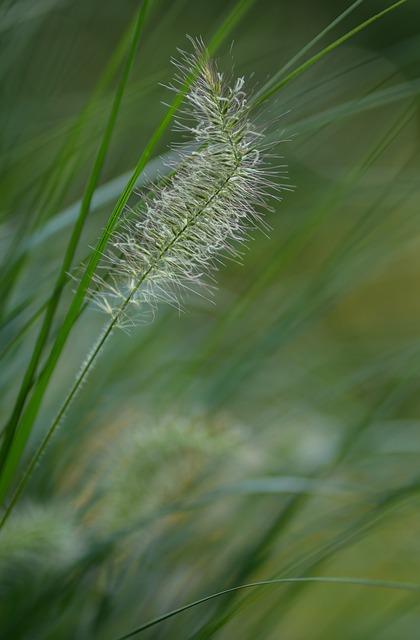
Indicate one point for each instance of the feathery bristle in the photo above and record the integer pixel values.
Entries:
(213, 198)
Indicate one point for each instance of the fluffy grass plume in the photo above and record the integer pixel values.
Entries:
(176, 235)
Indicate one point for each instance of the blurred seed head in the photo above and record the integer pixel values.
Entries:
(156, 465)
(40, 538)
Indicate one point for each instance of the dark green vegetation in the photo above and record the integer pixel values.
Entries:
(271, 435)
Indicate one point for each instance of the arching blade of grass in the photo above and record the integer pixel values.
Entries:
(268, 91)
(29, 415)
(314, 560)
(73, 242)
(362, 582)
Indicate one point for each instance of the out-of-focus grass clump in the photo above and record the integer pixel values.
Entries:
(272, 432)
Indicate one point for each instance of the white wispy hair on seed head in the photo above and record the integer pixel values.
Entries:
(215, 195)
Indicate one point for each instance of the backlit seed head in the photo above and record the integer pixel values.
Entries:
(218, 191)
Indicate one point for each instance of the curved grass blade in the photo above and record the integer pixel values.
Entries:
(386, 404)
(360, 582)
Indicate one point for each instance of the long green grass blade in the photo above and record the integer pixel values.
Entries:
(34, 403)
(268, 91)
(310, 45)
(73, 242)
(360, 582)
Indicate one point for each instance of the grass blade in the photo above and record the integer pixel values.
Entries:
(360, 582)
(73, 243)
(310, 45)
(268, 91)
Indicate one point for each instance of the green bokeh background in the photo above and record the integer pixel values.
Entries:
(270, 431)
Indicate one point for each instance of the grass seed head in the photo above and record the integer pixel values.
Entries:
(214, 197)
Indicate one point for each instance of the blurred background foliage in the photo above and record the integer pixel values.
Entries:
(270, 432)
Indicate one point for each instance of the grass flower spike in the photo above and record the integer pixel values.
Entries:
(180, 231)
(215, 195)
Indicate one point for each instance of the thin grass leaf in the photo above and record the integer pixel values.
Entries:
(310, 45)
(268, 91)
(52, 306)
(361, 582)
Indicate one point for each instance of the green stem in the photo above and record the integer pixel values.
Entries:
(28, 379)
